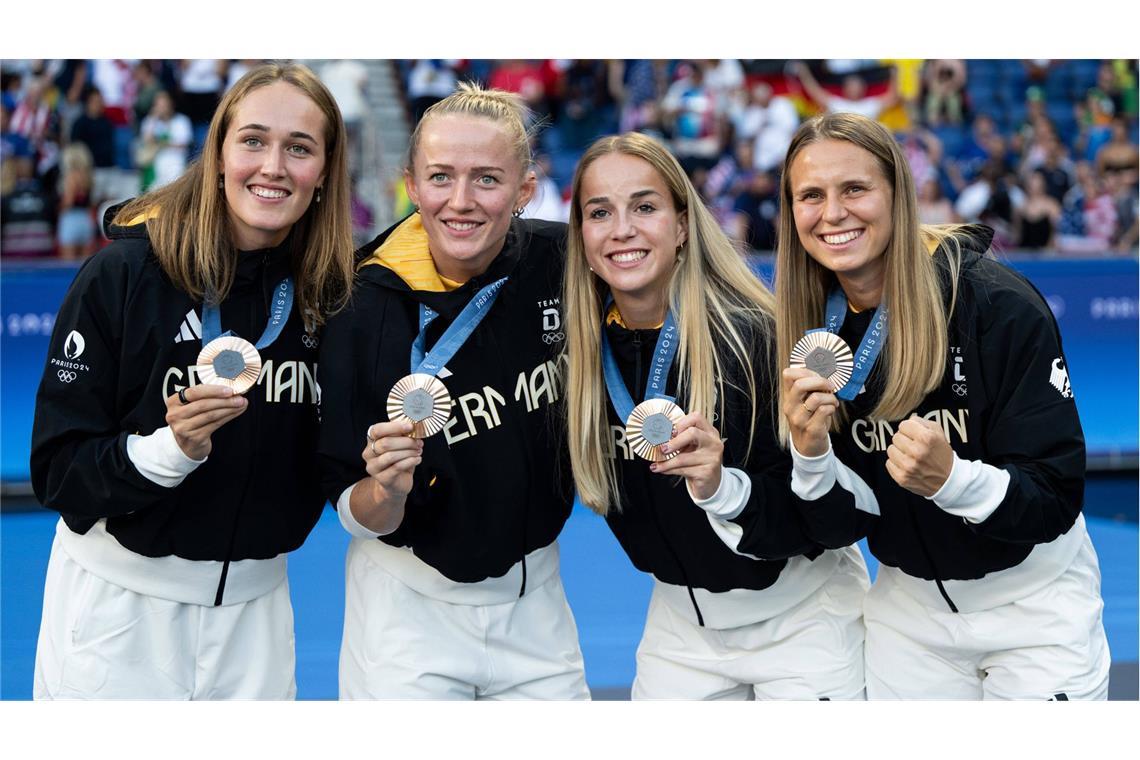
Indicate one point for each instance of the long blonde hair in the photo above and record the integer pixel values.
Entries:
(714, 294)
(188, 220)
(914, 356)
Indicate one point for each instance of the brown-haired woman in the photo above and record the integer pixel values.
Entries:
(181, 457)
(956, 433)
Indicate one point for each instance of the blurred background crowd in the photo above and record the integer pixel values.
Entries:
(1044, 151)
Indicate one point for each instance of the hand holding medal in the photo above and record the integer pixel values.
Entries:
(695, 453)
(227, 366)
(824, 369)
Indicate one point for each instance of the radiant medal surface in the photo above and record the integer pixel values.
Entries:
(424, 400)
(229, 361)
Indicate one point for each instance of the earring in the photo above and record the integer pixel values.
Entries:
(221, 182)
(318, 195)
(518, 212)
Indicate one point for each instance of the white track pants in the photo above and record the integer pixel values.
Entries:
(101, 641)
(1049, 645)
(401, 644)
(812, 651)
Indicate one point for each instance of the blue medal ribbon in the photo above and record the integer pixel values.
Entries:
(279, 308)
(869, 347)
(663, 355)
(456, 334)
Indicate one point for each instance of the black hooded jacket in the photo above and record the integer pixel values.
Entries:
(124, 340)
(493, 485)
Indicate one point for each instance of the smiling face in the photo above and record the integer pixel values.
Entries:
(630, 230)
(273, 158)
(467, 180)
(841, 203)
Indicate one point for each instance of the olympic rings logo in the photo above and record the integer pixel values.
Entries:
(309, 341)
(959, 388)
(65, 375)
(549, 338)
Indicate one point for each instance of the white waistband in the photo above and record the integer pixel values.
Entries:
(1045, 563)
(179, 580)
(800, 579)
(401, 562)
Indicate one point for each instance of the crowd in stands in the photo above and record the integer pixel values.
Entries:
(1044, 151)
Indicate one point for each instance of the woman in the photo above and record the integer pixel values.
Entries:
(180, 497)
(1035, 221)
(650, 273)
(453, 589)
(960, 444)
(75, 232)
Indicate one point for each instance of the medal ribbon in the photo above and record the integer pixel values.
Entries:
(457, 332)
(663, 354)
(869, 346)
(279, 308)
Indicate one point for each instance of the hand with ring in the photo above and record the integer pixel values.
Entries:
(194, 413)
(809, 404)
(391, 457)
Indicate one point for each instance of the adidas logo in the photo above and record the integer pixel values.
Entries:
(191, 328)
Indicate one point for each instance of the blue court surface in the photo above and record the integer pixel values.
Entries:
(608, 597)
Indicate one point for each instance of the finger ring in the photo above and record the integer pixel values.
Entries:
(182, 396)
(805, 406)
(373, 447)
(368, 433)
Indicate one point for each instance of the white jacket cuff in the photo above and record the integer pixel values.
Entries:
(973, 490)
(159, 459)
(812, 477)
(344, 512)
(730, 497)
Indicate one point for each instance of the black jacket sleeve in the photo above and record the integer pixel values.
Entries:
(1033, 431)
(79, 460)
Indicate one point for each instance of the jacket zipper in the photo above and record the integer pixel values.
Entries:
(639, 391)
(253, 467)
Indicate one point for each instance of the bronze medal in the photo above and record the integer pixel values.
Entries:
(424, 400)
(825, 354)
(650, 425)
(229, 361)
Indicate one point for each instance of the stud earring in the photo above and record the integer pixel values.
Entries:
(518, 212)
(221, 182)
(318, 195)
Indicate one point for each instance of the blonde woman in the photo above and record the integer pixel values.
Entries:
(660, 306)
(956, 437)
(179, 497)
(453, 588)
(75, 232)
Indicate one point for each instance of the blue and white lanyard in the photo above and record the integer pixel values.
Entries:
(279, 309)
(663, 355)
(456, 334)
(869, 347)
